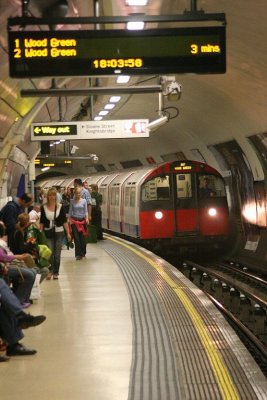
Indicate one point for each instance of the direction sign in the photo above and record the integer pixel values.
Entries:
(83, 130)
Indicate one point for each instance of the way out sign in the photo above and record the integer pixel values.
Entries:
(130, 128)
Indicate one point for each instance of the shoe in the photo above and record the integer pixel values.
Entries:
(55, 276)
(19, 350)
(25, 305)
(49, 276)
(27, 320)
(79, 258)
(4, 358)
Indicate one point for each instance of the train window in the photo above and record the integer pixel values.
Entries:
(184, 186)
(156, 189)
(115, 191)
(211, 186)
(132, 197)
(127, 197)
(103, 191)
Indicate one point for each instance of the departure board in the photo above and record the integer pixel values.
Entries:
(114, 52)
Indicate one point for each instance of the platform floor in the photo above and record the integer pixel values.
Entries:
(124, 325)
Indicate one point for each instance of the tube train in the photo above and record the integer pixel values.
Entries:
(164, 206)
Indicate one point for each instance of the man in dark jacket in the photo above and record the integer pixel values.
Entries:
(96, 210)
(12, 209)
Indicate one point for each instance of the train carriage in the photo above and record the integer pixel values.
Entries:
(180, 204)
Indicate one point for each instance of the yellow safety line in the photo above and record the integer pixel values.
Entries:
(226, 385)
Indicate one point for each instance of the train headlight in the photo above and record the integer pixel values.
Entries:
(212, 212)
(158, 214)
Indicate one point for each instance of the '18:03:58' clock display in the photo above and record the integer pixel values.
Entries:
(103, 63)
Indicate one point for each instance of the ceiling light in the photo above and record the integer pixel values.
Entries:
(98, 118)
(136, 2)
(135, 25)
(114, 99)
(45, 169)
(103, 113)
(109, 106)
(123, 79)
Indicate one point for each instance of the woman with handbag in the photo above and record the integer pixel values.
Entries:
(53, 221)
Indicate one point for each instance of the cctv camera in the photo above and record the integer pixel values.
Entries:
(174, 91)
(152, 126)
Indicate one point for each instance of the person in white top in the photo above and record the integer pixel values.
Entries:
(34, 215)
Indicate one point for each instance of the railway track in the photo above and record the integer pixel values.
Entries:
(241, 296)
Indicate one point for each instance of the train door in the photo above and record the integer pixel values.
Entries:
(185, 204)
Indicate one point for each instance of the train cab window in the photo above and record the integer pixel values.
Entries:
(184, 186)
(156, 189)
(211, 186)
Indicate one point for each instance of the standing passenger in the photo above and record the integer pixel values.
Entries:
(85, 194)
(53, 219)
(96, 211)
(78, 213)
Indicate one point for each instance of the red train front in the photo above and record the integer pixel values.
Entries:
(184, 202)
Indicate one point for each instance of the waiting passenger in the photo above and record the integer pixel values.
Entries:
(11, 210)
(78, 214)
(85, 194)
(96, 211)
(12, 320)
(34, 215)
(21, 277)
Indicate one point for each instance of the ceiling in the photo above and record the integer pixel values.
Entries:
(212, 108)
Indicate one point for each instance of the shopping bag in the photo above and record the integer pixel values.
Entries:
(91, 237)
(36, 291)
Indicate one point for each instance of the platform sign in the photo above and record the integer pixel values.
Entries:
(83, 130)
(52, 162)
(112, 52)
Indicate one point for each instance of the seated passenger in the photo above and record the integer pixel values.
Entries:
(12, 320)
(18, 245)
(21, 277)
(34, 215)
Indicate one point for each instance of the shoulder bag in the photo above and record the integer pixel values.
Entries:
(50, 233)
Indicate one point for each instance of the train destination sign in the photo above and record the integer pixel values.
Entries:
(114, 52)
(83, 130)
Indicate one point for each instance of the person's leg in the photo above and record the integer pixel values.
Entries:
(24, 280)
(77, 241)
(99, 232)
(82, 244)
(57, 252)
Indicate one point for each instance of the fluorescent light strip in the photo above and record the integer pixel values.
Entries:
(109, 106)
(103, 113)
(136, 2)
(114, 99)
(135, 25)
